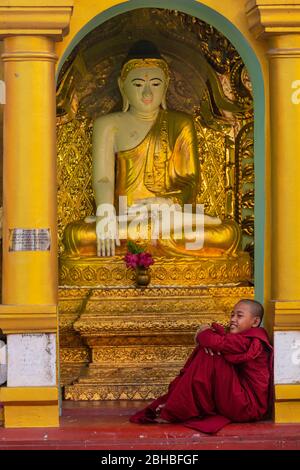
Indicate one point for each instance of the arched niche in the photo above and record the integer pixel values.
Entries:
(202, 13)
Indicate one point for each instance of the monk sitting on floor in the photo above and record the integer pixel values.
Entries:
(227, 378)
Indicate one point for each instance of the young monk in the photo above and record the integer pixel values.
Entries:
(227, 378)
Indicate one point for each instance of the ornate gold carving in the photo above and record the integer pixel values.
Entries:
(88, 88)
(150, 306)
(121, 324)
(66, 322)
(140, 355)
(77, 355)
(70, 306)
(73, 293)
(122, 392)
(70, 372)
(241, 86)
(131, 375)
(129, 383)
(248, 225)
(75, 194)
(212, 162)
(73, 353)
(141, 338)
(165, 271)
(151, 325)
(221, 293)
(216, 48)
(245, 179)
(248, 199)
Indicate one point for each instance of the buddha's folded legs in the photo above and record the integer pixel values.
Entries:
(218, 240)
(80, 239)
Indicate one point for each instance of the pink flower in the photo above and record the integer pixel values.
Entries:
(145, 259)
(131, 260)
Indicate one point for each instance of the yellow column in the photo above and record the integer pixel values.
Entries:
(30, 29)
(278, 22)
(29, 174)
(284, 60)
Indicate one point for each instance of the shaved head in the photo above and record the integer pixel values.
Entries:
(256, 307)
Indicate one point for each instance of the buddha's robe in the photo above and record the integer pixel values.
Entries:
(212, 391)
(165, 165)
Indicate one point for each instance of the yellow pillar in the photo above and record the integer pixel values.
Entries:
(278, 22)
(30, 29)
(29, 168)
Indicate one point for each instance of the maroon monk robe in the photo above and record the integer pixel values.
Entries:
(212, 391)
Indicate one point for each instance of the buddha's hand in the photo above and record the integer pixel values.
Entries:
(208, 220)
(107, 235)
(148, 205)
(144, 208)
(154, 200)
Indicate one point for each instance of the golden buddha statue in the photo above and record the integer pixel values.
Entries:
(149, 155)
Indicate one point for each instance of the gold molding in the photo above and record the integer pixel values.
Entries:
(284, 53)
(28, 319)
(286, 315)
(123, 383)
(148, 324)
(287, 392)
(22, 56)
(74, 355)
(139, 339)
(144, 355)
(129, 311)
(272, 17)
(12, 395)
(40, 17)
(110, 392)
(287, 412)
(91, 271)
(28, 407)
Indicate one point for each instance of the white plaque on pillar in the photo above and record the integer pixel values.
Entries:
(287, 357)
(33, 239)
(31, 360)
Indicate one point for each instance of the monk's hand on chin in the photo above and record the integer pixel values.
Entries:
(211, 352)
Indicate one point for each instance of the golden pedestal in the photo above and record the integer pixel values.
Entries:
(139, 339)
(91, 271)
(74, 354)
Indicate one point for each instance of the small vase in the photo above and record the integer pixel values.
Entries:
(142, 276)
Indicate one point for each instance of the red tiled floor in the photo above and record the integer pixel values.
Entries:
(106, 426)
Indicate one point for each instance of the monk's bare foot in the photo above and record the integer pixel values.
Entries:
(161, 421)
(157, 412)
(159, 408)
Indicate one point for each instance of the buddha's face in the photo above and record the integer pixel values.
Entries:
(145, 88)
